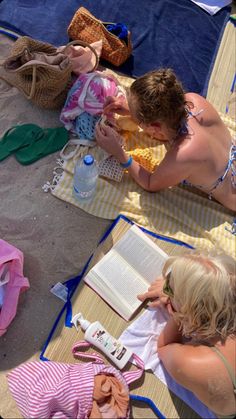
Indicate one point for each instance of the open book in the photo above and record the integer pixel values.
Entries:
(126, 271)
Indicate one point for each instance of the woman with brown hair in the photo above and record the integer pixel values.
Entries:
(200, 150)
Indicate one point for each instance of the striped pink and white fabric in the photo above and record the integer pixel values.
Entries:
(57, 390)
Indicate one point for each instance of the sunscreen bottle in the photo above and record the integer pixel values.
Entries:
(99, 337)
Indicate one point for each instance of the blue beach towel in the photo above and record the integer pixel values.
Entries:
(165, 33)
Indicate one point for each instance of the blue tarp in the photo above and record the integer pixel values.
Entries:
(165, 33)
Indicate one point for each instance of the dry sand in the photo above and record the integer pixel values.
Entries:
(56, 238)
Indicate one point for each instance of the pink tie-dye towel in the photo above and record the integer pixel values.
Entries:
(88, 94)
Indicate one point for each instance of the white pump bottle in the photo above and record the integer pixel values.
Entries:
(99, 337)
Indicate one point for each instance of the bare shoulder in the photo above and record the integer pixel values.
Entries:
(180, 359)
(198, 103)
(194, 98)
(178, 353)
(197, 100)
(200, 370)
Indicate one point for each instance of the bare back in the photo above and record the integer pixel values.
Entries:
(217, 389)
(207, 146)
(200, 370)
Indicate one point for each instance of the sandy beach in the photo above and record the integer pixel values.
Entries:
(56, 238)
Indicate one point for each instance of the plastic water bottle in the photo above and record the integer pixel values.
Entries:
(85, 178)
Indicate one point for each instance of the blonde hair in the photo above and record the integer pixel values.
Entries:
(160, 98)
(205, 293)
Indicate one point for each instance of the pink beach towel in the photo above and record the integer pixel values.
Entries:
(88, 94)
(58, 390)
(12, 258)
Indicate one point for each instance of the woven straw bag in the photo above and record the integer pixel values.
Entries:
(86, 27)
(40, 72)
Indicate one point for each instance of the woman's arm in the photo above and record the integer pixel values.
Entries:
(175, 356)
(185, 365)
(170, 334)
(170, 171)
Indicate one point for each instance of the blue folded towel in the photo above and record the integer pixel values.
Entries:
(165, 33)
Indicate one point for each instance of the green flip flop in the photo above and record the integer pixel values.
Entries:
(17, 137)
(51, 140)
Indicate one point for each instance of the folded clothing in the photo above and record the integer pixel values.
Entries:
(39, 388)
(118, 29)
(11, 271)
(110, 398)
(82, 59)
(29, 142)
(88, 94)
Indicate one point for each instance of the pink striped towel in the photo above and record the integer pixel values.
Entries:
(58, 390)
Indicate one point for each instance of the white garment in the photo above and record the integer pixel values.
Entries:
(141, 337)
(212, 6)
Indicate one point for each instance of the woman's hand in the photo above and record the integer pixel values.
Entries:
(109, 140)
(116, 104)
(155, 293)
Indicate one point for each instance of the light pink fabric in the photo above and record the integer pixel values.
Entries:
(82, 59)
(58, 390)
(17, 283)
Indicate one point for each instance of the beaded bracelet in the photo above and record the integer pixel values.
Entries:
(128, 163)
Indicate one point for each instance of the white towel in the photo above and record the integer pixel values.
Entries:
(212, 6)
(141, 337)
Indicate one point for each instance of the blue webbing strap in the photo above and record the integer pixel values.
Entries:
(231, 91)
(71, 285)
(10, 30)
(150, 403)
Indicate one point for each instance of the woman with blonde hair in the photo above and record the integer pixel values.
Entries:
(200, 150)
(197, 345)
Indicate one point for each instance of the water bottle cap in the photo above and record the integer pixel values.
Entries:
(88, 159)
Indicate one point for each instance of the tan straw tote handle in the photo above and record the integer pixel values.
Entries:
(80, 43)
(32, 90)
(85, 44)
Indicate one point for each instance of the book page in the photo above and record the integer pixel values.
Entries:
(126, 271)
(122, 279)
(141, 253)
(125, 303)
(117, 281)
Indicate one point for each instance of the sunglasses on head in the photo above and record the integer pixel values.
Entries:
(167, 288)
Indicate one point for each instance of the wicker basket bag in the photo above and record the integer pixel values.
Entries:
(40, 72)
(86, 27)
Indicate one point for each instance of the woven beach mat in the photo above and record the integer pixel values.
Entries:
(86, 301)
(222, 87)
